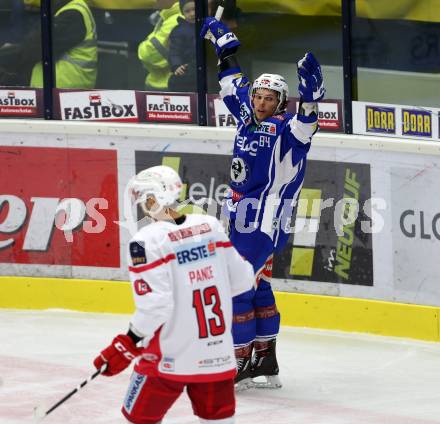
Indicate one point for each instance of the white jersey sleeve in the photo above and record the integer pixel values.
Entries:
(240, 271)
(152, 287)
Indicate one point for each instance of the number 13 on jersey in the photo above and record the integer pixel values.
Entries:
(204, 301)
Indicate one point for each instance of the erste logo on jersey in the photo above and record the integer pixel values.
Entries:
(195, 252)
(239, 171)
(141, 287)
(268, 128)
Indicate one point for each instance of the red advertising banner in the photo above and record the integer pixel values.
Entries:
(59, 206)
(21, 103)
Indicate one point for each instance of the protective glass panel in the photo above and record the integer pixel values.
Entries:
(396, 51)
(20, 41)
(275, 34)
(125, 44)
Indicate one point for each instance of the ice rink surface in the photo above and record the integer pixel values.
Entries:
(328, 377)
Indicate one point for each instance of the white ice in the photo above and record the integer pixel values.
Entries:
(328, 377)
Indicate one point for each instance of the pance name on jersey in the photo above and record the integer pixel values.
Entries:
(201, 274)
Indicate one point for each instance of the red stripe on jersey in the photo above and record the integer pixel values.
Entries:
(200, 378)
(150, 368)
(223, 244)
(154, 264)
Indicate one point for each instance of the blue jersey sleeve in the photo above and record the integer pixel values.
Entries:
(235, 93)
(298, 135)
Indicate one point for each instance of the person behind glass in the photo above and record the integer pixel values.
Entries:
(184, 272)
(153, 52)
(75, 48)
(182, 55)
(267, 174)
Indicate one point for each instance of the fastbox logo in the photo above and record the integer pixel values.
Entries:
(18, 102)
(168, 108)
(115, 106)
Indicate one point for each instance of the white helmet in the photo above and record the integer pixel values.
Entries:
(276, 83)
(161, 181)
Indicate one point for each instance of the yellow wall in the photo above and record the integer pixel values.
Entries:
(297, 310)
(420, 10)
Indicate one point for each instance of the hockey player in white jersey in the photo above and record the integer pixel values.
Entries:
(184, 272)
(267, 173)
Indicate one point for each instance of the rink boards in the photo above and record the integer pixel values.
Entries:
(365, 238)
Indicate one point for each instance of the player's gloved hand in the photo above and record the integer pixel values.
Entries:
(225, 41)
(311, 86)
(118, 355)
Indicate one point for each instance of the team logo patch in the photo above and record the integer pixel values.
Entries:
(239, 171)
(168, 364)
(137, 253)
(141, 287)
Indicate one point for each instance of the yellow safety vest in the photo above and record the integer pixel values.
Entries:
(77, 68)
(153, 52)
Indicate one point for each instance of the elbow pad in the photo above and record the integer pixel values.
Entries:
(228, 66)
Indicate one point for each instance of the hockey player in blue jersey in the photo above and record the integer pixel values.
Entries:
(267, 173)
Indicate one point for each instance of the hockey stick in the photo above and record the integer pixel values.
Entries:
(40, 412)
(218, 16)
(220, 9)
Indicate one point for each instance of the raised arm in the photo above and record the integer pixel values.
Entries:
(304, 124)
(234, 85)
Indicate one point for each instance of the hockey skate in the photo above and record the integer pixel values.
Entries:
(243, 380)
(264, 368)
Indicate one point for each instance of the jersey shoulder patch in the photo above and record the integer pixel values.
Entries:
(137, 253)
(279, 117)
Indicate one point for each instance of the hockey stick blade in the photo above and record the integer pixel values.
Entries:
(219, 11)
(40, 412)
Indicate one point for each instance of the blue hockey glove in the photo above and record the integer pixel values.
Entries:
(311, 86)
(220, 35)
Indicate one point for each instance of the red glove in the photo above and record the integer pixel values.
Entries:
(118, 355)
